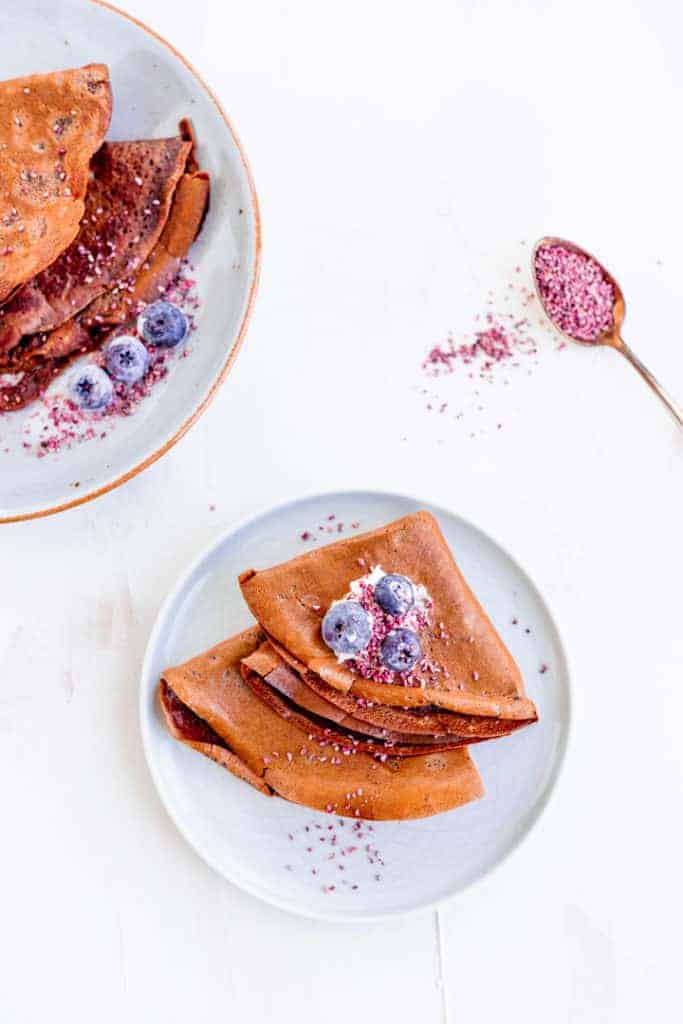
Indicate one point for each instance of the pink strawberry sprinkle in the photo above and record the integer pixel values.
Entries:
(501, 341)
(577, 294)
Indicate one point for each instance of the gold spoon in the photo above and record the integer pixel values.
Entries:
(611, 336)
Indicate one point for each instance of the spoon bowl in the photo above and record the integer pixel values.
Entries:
(611, 336)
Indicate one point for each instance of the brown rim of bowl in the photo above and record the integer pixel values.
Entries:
(232, 355)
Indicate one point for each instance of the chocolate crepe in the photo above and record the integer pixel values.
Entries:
(117, 307)
(40, 358)
(50, 126)
(127, 205)
(475, 674)
(208, 705)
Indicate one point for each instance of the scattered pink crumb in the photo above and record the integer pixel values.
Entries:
(505, 341)
(498, 342)
(331, 526)
(326, 865)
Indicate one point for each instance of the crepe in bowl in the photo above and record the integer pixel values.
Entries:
(50, 127)
(38, 358)
(127, 205)
(209, 705)
(120, 305)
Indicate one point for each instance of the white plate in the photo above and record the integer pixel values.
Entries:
(271, 848)
(153, 88)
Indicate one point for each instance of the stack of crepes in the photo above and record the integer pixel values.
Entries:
(89, 231)
(279, 709)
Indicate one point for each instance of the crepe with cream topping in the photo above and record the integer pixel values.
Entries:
(466, 667)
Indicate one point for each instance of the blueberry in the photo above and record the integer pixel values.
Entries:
(90, 387)
(163, 324)
(126, 359)
(394, 594)
(347, 628)
(401, 650)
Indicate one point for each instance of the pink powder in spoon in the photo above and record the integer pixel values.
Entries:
(577, 295)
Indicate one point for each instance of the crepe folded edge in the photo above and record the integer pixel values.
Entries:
(273, 689)
(234, 727)
(188, 728)
(424, 725)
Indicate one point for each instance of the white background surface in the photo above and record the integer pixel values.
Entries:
(401, 153)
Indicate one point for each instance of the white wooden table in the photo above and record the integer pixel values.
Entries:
(402, 153)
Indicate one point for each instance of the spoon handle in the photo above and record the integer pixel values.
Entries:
(672, 406)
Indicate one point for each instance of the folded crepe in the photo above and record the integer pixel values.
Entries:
(466, 667)
(37, 359)
(209, 705)
(50, 126)
(127, 205)
(121, 305)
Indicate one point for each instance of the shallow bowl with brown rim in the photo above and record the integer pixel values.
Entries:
(153, 86)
